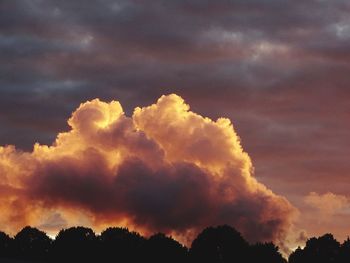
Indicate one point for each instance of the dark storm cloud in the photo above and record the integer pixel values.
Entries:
(180, 196)
(120, 45)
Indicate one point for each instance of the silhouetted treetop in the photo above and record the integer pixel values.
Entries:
(120, 235)
(121, 243)
(324, 249)
(75, 244)
(76, 234)
(219, 244)
(161, 248)
(265, 252)
(6, 243)
(344, 252)
(31, 243)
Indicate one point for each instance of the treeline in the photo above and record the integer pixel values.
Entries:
(80, 244)
(324, 249)
(214, 244)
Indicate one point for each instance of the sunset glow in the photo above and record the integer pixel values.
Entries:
(174, 116)
(165, 168)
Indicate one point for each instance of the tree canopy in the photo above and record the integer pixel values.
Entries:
(218, 244)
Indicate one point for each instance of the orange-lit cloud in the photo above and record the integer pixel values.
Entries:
(328, 204)
(325, 213)
(163, 169)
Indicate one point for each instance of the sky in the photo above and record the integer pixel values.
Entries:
(261, 115)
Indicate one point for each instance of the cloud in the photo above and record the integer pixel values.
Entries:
(165, 168)
(328, 204)
(53, 222)
(325, 213)
(275, 68)
(302, 238)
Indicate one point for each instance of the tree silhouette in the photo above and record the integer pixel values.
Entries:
(161, 248)
(75, 244)
(297, 256)
(324, 249)
(31, 243)
(6, 244)
(121, 244)
(219, 245)
(344, 252)
(265, 252)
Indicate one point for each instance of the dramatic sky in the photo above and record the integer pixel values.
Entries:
(277, 70)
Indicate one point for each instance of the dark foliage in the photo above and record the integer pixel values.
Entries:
(344, 252)
(219, 244)
(31, 243)
(122, 244)
(6, 245)
(161, 248)
(76, 244)
(324, 249)
(265, 252)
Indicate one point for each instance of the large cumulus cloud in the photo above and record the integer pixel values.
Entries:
(165, 168)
